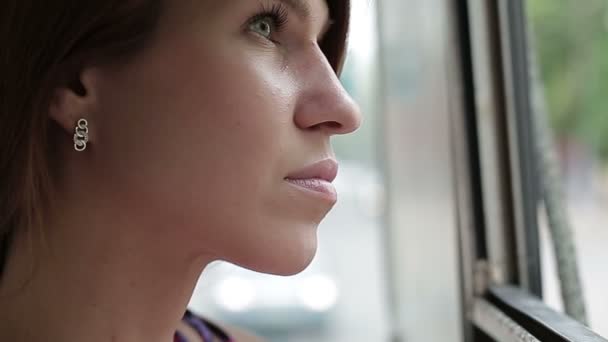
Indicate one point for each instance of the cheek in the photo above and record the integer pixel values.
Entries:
(202, 137)
(235, 117)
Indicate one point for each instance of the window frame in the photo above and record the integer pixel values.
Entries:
(500, 247)
(534, 317)
(481, 86)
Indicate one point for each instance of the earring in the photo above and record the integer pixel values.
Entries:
(81, 135)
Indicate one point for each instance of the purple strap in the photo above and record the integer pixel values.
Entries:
(206, 330)
(200, 327)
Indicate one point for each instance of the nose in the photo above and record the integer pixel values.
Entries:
(323, 103)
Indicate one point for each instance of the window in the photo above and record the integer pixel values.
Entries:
(521, 76)
(569, 41)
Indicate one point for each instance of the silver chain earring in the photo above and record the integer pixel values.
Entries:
(81, 135)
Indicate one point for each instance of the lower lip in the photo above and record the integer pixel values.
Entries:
(316, 186)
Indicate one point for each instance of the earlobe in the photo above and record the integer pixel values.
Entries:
(65, 108)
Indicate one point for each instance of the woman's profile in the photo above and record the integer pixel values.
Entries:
(141, 140)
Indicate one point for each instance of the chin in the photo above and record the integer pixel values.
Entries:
(291, 267)
(284, 259)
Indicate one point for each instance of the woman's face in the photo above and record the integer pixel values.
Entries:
(200, 133)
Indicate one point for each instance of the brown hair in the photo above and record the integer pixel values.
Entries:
(44, 45)
(334, 43)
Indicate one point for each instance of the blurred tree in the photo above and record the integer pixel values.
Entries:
(571, 38)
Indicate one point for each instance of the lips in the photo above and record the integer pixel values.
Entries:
(316, 179)
(326, 170)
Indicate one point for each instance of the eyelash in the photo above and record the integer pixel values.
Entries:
(277, 12)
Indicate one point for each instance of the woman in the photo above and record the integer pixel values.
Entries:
(142, 140)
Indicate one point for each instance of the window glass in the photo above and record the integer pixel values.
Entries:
(569, 42)
(342, 295)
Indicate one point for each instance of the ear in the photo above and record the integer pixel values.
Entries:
(76, 100)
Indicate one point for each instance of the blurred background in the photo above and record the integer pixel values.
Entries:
(388, 257)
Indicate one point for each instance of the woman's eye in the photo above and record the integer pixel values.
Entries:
(263, 26)
(269, 21)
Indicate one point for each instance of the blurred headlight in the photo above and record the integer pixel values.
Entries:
(318, 293)
(235, 294)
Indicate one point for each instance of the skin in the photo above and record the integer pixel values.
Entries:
(190, 142)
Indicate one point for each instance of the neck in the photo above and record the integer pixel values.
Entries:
(93, 283)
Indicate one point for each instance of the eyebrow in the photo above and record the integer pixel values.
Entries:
(303, 10)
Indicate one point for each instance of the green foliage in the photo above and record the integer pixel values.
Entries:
(571, 41)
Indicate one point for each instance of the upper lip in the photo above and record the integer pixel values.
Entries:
(326, 169)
